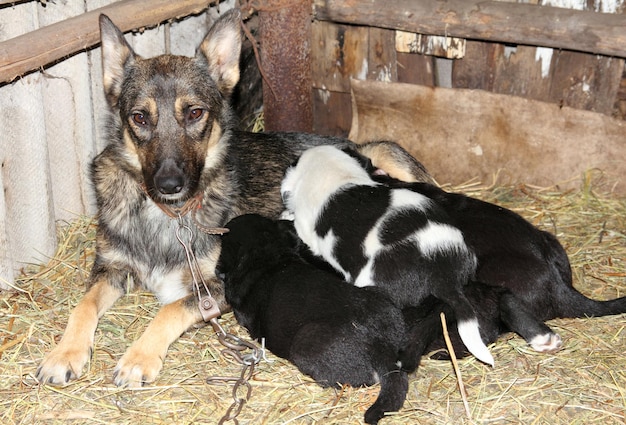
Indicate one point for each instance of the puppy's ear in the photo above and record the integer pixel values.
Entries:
(221, 49)
(116, 56)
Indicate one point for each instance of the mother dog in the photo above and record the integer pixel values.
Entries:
(174, 159)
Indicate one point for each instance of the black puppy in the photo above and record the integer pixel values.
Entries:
(331, 330)
(523, 277)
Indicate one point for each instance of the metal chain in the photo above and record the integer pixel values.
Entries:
(234, 346)
(234, 349)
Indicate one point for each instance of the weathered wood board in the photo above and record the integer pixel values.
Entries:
(462, 134)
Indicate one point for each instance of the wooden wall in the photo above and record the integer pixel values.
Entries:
(579, 79)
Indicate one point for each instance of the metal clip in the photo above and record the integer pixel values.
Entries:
(209, 309)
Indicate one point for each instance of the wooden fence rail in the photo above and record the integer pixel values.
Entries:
(518, 23)
(46, 45)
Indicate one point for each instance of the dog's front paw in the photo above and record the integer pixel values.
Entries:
(137, 368)
(546, 343)
(63, 364)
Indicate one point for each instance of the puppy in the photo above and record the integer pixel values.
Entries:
(331, 330)
(524, 272)
(396, 239)
(523, 276)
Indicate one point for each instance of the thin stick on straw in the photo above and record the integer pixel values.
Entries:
(455, 365)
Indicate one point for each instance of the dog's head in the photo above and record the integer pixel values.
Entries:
(172, 109)
(253, 245)
(316, 176)
(252, 235)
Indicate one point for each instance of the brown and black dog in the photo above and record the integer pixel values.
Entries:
(174, 159)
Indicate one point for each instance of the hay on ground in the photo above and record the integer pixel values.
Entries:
(584, 383)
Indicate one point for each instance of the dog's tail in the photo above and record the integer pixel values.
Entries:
(576, 304)
(568, 302)
(394, 385)
(467, 325)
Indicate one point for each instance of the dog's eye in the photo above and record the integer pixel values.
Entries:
(195, 114)
(140, 119)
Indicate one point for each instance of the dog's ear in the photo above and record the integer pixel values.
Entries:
(221, 49)
(116, 54)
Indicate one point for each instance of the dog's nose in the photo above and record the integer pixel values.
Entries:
(170, 185)
(169, 179)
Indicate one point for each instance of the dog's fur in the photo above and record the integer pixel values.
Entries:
(396, 239)
(523, 276)
(331, 330)
(528, 265)
(172, 147)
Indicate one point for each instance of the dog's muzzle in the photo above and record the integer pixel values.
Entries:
(169, 179)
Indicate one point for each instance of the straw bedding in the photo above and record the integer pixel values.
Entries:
(584, 383)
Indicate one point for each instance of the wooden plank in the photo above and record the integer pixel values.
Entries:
(338, 53)
(445, 47)
(332, 112)
(56, 41)
(495, 67)
(415, 69)
(475, 70)
(585, 81)
(382, 55)
(462, 134)
(574, 79)
(487, 20)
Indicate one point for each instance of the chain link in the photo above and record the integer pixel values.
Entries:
(235, 347)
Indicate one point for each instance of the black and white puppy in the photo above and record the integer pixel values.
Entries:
(331, 330)
(395, 239)
(524, 273)
(528, 265)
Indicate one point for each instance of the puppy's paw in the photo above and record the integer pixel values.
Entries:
(546, 343)
(63, 364)
(137, 368)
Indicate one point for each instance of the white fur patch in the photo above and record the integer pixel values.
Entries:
(372, 244)
(324, 248)
(546, 343)
(366, 276)
(405, 198)
(436, 237)
(470, 335)
(167, 286)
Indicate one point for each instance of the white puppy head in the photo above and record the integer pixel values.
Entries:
(320, 172)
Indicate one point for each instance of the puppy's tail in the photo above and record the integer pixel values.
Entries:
(394, 385)
(569, 301)
(470, 335)
(469, 331)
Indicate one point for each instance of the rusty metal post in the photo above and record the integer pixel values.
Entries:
(285, 36)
